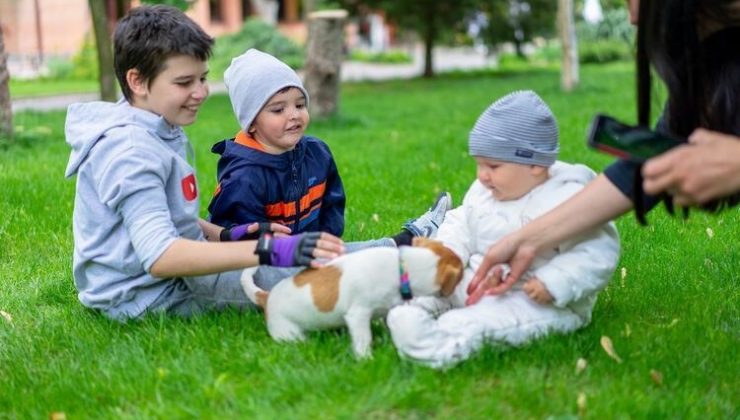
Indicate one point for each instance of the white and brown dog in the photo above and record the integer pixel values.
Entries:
(355, 288)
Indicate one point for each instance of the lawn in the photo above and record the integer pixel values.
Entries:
(671, 309)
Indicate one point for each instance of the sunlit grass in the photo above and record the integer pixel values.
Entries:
(671, 308)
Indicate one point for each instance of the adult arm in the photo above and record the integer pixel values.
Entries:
(706, 169)
(597, 203)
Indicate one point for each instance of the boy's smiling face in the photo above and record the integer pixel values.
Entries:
(176, 93)
(282, 121)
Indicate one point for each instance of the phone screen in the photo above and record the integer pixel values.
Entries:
(628, 142)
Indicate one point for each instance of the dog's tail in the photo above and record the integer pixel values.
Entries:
(254, 293)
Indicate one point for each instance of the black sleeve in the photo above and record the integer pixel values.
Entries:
(622, 174)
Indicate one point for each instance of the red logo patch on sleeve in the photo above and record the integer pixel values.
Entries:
(189, 187)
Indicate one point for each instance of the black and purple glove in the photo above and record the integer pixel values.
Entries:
(241, 232)
(287, 251)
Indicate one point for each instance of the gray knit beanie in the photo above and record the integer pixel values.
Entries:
(517, 128)
(252, 78)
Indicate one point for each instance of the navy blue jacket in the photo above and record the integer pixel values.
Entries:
(300, 189)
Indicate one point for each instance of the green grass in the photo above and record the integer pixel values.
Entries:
(43, 87)
(396, 143)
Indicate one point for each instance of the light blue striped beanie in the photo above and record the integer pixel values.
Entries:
(517, 128)
(252, 78)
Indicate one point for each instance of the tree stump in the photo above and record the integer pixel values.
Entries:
(325, 51)
(6, 112)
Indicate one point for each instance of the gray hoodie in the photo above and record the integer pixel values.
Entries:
(136, 193)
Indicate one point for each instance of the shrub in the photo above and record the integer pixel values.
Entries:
(85, 63)
(604, 51)
(388, 57)
(258, 34)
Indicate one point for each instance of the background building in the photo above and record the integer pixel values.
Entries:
(36, 30)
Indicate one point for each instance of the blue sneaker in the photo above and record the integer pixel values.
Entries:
(427, 224)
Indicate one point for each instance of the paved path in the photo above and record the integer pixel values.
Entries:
(445, 59)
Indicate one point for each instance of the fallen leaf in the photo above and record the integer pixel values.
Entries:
(623, 273)
(581, 402)
(6, 316)
(656, 376)
(710, 233)
(376, 218)
(581, 364)
(57, 415)
(606, 343)
(673, 323)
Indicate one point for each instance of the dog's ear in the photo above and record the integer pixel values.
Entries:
(450, 275)
(449, 270)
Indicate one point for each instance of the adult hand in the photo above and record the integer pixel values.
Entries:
(303, 249)
(251, 231)
(489, 279)
(707, 168)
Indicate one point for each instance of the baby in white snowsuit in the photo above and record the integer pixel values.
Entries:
(515, 145)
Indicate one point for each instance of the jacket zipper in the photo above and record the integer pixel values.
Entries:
(295, 185)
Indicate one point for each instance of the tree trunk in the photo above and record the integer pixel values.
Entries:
(324, 49)
(107, 77)
(567, 30)
(6, 111)
(429, 35)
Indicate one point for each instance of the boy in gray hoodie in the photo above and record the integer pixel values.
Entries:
(139, 244)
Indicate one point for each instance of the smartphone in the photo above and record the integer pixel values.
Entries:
(628, 142)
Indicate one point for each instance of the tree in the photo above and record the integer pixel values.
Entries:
(430, 18)
(567, 30)
(517, 21)
(6, 111)
(107, 76)
(103, 41)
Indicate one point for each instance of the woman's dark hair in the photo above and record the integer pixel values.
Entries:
(693, 46)
(149, 35)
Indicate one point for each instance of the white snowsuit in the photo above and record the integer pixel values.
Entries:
(573, 274)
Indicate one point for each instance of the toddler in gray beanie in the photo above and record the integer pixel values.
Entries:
(252, 79)
(517, 128)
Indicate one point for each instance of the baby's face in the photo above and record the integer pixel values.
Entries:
(282, 121)
(507, 180)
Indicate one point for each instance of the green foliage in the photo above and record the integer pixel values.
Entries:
(387, 57)
(671, 307)
(614, 27)
(255, 33)
(518, 21)
(180, 4)
(85, 62)
(604, 51)
(612, 39)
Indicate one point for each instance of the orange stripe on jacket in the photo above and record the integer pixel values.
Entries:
(246, 140)
(288, 209)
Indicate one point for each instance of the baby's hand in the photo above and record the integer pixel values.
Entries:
(537, 291)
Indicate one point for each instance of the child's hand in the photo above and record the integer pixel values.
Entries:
(537, 291)
(304, 249)
(251, 231)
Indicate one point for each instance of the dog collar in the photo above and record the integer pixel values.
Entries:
(405, 286)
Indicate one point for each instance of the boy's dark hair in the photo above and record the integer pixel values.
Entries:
(146, 37)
